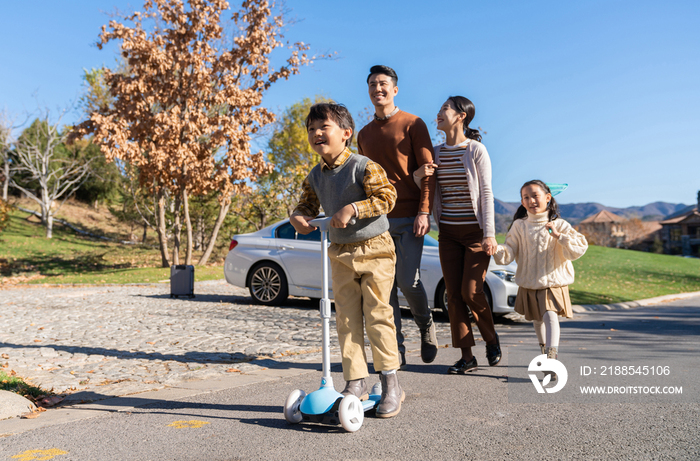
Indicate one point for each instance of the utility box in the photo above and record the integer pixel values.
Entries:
(181, 281)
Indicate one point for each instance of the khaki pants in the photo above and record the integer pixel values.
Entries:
(363, 275)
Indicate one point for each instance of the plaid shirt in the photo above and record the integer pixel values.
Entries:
(381, 195)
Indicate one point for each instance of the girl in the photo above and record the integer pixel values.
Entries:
(543, 245)
(463, 209)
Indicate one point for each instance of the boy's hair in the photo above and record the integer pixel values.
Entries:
(552, 206)
(386, 70)
(338, 113)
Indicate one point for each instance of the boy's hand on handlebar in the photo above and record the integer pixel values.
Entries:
(301, 224)
(343, 217)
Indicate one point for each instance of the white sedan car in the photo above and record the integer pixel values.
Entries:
(276, 262)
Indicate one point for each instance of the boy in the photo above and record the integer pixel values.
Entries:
(362, 254)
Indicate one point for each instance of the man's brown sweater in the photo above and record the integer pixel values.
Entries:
(401, 144)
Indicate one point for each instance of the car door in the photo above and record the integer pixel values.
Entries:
(301, 257)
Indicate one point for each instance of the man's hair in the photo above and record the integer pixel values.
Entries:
(332, 111)
(386, 70)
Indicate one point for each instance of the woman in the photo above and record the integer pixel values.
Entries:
(463, 209)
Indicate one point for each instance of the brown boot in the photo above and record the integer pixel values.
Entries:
(392, 396)
(551, 354)
(356, 387)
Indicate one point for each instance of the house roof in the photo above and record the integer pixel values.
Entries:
(602, 216)
(691, 216)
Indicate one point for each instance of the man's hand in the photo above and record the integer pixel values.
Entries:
(421, 225)
(489, 245)
(301, 224)
(343, 217)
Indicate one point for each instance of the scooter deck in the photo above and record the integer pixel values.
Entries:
(371, 402)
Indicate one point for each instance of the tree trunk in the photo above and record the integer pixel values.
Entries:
(6, 182)
(177, 228)
(145, 233)
(49, 226)
(215, 231)
(188, 225)
(162, 237)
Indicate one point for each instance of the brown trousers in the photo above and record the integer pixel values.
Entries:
(464, 264)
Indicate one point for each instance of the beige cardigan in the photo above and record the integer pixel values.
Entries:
(543, 261)
(477, 165)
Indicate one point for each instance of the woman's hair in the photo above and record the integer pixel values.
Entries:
(552, 206)
(462, 104)
(338, 113)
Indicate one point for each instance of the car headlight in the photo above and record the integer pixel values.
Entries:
(508, 276)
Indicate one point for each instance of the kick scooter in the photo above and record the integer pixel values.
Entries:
(326, 405)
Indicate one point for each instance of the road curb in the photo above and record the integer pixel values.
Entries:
(581, 309)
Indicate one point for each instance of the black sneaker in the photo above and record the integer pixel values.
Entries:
(462, 366)
(402, 356)
(428, 344)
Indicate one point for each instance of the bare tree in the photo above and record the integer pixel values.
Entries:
(57, 176)
(6, 141)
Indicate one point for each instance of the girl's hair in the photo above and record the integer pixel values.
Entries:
(462, 104)
(552, 206)
(338, 113)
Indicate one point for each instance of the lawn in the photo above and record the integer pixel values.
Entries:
(610, 275)
(27, 256)
(603, 275)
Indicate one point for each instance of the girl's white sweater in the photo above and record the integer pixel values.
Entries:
(543, 261)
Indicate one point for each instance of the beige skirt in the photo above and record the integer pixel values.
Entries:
(534, 303)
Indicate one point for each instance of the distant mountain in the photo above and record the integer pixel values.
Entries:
(577, 212)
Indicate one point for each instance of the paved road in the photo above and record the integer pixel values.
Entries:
(238, 415)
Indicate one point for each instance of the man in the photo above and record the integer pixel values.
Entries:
(400, 143)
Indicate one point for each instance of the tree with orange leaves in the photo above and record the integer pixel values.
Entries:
(184, 111)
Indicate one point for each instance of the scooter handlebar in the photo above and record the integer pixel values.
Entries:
(325, 222)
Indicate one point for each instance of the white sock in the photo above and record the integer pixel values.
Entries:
(390, 372)
(539, 329)
(551, 322)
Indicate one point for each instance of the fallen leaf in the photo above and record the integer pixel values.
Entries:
(5, 356)
(233, 370)
(612, 329)
(609, 337)
(37, 340)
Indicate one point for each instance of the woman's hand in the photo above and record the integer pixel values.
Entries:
(427, 169)
(489, 245)
(552, 230)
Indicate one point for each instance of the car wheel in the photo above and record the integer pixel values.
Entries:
(268, 284)
(489, 298)
(441, 298)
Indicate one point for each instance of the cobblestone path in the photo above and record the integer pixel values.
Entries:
(117, 340)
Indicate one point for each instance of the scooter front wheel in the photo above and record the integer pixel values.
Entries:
(351, 413)
(291, 406)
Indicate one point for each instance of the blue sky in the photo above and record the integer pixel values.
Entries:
(603, 95)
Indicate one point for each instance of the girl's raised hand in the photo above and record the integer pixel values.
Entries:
(427, 169)
(552, 230)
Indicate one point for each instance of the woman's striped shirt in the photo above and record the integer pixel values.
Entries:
(457, 205)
